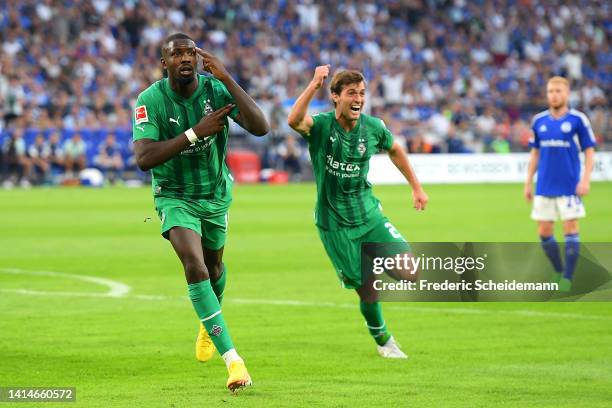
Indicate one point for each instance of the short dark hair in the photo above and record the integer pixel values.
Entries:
(168, 40)
(175, 36)
(344, 78)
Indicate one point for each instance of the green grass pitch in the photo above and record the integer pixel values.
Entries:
(301, 335)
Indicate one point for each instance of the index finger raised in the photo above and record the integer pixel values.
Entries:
(203, 53)
(224, 111)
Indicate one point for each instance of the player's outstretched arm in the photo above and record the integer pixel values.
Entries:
(534, 158)
(150, 153)
(398, 156)
(250, 117)
(584, 185)
(298, 119)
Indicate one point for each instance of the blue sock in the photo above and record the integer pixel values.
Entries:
(572, 251)
(551, 249)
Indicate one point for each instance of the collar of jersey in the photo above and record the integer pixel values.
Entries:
(559, 118)
(344, 132)
(178, 98)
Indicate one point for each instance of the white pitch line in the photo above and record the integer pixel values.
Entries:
(115, 289)
(55, 294)
(154, 297)
(120, 290)
(422, 309)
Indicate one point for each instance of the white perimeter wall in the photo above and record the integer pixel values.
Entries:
(470, 168)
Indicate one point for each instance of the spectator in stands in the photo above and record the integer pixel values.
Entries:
(75, 158)
(417, 144)
(39, 154)
(592, 95)
(110, 158)
(601, 123)
(290, 153)
(454, 144)
(485, 127)
(500, 145)
(418, 56)
(56, 153)
(17, 165)
(13, 98)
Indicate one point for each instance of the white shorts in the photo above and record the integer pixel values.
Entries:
(554, 208)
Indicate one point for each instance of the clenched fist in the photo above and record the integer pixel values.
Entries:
(321, 73)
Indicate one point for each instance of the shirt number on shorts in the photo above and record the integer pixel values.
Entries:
(394, 233)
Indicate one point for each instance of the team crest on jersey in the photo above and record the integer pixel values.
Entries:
(566, 127)
(140, 114)
(208, 107)
(361, 149)
(542, 128)
(216, 330)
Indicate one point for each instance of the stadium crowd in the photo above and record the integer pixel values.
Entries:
(447, 76)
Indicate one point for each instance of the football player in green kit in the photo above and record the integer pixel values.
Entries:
(341, 143)
(180, 133)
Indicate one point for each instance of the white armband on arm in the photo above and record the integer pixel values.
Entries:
(191, 135)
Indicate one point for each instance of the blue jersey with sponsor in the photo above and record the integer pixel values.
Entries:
(560, 141)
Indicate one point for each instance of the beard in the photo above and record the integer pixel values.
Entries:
(183, 80)
(557, 104)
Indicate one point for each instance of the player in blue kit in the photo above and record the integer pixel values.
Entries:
(559, 135)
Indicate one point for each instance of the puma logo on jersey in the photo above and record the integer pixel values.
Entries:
(543, 128)
(172, 120)
(140, 127)
(333, 139)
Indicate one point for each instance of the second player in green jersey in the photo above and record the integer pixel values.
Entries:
(341, 143)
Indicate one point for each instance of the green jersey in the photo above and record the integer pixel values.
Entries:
(340, 161)
(198, 172)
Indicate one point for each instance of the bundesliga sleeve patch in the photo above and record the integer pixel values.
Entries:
(140, 115)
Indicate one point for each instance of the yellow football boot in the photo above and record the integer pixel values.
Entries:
(238, 376)
(204, 348)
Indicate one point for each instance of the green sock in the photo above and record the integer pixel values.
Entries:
(219, 285)
(208, 310)
(372, 313)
